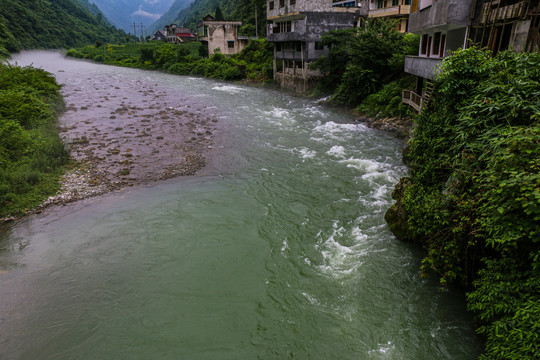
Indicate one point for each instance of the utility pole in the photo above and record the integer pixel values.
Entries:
(135, 31)
(142, 33)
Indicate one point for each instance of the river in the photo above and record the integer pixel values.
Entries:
(276, 250)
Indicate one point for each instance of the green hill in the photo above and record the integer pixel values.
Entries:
(43, 24)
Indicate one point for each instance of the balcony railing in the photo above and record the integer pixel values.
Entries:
(391, 11)
(492, 12)
(412, 99)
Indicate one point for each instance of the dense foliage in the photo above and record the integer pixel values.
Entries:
(473, 194)
(254, 62)
(363, 60)
(33, 24)
(32, 154)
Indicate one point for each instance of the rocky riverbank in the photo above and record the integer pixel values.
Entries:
(128, 134)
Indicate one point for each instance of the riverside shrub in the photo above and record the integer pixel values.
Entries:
(473, 198)
(186, 59)
(32, 155)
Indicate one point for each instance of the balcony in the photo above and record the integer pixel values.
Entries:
(412, 99)
(442, 14)
(399, 10)
(422, 66)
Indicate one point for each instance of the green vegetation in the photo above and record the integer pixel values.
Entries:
(32, 155)
(43, 24)
(472, 198)
(253, 63)
(363, 61)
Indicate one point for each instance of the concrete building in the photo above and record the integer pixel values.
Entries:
(442, 26)
(296, 26)
(448, 25)
(222, 35)
(397, 9)
(506, 24)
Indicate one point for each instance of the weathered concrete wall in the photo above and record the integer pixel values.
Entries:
(219, 34)
(441, 13)
(520, 32)
(455, 40)
(421, 66)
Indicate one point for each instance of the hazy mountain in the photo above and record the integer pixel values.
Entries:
(170, 16)
(124, 13)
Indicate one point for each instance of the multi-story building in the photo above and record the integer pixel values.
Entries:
(397, 9)
(296, 26)
(222, 35)
(448, 25)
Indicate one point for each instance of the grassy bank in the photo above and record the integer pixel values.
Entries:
(32, 155)
(253, 63)
(472, 197)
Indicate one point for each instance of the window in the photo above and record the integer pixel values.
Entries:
(380, 4)
(407, 2)
(292, 2)
(230, 44)
(281, 3)
(319, 45)
(436, 43)
(395, 2)
(423, 48)
(298, 46)
(289, 26)
(271, 5)
(278, 46)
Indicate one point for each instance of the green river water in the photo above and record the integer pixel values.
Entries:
(277, 250)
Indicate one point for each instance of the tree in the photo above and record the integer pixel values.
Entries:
(219, 14)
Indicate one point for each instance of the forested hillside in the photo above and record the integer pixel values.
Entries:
(170, 16)
(243, 10)
(33, 24)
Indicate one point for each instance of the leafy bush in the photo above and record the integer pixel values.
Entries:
(474, 194)
(362, 60)
(387, 101)
(32, 154)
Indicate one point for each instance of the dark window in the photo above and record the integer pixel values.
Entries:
(298, 46)
(271, 5)
(319, 45)
(380, 4)
(292, 2)
(423, 49)
(407, 2)
(278, 46)
(289, 26)
(436, 42)
(395, 2)
(281, 3)
(230, 44)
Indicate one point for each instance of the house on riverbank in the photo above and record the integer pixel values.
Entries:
(296, 26)
(222, 35)
(448, 25)
(174, 34)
